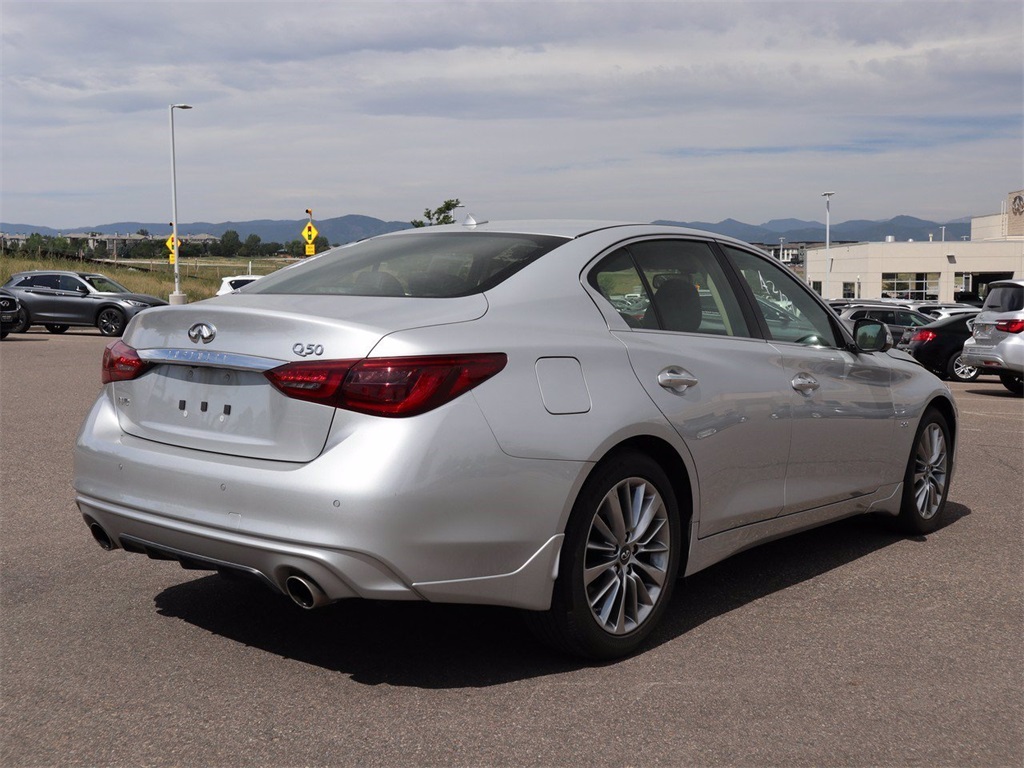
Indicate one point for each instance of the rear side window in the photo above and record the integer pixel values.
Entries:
(1005, 298)
(425, 265)
(670, 285)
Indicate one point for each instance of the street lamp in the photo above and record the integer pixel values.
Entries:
(177, 297)
(828, 240)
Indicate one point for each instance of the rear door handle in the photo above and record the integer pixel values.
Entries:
(676, 379)
(805, 383)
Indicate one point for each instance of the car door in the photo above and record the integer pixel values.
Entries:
(71, 302)
(841, 401)
(41, 296)
(723, 390)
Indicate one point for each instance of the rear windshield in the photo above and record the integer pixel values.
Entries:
(427, 265)
(1005, 298)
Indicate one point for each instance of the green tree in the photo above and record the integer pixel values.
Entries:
(230, 243)
(250, 249)
(443, 214)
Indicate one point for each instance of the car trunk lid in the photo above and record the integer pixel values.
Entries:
(205, 388)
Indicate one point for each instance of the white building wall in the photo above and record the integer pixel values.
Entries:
(867, 262)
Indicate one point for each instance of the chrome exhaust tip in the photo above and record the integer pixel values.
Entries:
(305, 592)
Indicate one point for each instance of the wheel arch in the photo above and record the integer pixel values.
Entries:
(948, 411)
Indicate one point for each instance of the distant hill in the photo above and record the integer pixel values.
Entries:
(340, 230)
(796, 231)
(347, 229)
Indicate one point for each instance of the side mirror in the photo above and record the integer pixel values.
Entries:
(872, 335)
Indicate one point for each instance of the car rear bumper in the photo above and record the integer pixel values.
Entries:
(1005, 357)
(393, 519)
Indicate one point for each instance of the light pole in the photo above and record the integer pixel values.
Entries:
(177, 297)
(782, 245)
(828, 240)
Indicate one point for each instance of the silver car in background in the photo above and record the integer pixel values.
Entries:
(997, 342)
(562, 417)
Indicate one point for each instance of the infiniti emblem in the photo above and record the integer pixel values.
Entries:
(202, 332)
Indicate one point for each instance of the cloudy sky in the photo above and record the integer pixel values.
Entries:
(628, 110)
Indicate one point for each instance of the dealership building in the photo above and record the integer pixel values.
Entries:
(937, 270)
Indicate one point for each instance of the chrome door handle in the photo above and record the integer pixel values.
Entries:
(676, 379)
(805, 383)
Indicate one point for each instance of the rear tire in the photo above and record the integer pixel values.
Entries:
(958, 371)
(111, 322)
(55, 328)
(1013, 382)
(619, 561)
(926, 480)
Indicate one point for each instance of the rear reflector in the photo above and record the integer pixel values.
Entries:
(399, 386)
(121, 363)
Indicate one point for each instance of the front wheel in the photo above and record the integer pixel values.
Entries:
(111, 322)
(957, 370)
(619, 561)
(22, 324)
(1013, 382)
(56, 328)
(926, 480)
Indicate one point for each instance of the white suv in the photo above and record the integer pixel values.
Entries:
(998, 341)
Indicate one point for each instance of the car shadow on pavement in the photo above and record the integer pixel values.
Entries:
(425, 645)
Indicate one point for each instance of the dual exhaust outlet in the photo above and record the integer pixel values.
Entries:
(303, 591)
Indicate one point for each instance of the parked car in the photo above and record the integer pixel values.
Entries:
(997, 344)
(897, 319)
(10, 312)
(59, 300)
(939, 345)
(234, 282)
(473, 414)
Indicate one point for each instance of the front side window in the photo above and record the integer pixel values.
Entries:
(670, 285)
(426, 265)
(790, 313)
(104, 284)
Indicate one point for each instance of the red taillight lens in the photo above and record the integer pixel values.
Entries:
(1010, 326)
(921, 336)
(121, 363)
(400, 386)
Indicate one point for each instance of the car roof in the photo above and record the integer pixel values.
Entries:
(567, 228)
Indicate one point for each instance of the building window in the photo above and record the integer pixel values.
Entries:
(816, 286)
(914, 286)
(849, 291)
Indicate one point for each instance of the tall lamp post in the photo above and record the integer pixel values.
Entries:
(177, 297)
(828, 241)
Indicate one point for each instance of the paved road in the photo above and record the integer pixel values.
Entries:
(843, 646)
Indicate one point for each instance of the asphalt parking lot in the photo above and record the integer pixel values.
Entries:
(844, 646)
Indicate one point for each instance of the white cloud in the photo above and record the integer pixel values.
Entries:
(601, 109)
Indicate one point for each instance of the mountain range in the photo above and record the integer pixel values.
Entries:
(346, 229)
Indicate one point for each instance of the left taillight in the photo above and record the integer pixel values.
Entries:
(398, 386)
(122, 363)
(923, 336)
(1010, 326)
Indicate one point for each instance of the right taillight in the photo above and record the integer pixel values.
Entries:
(922, 336)
(1010, 326)
(121, 363)
(397, 386)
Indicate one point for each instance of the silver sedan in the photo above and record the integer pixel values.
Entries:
(563, 417)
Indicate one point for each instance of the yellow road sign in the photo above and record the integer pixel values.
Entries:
(170, 247)
(310, 249)
(310, 232)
